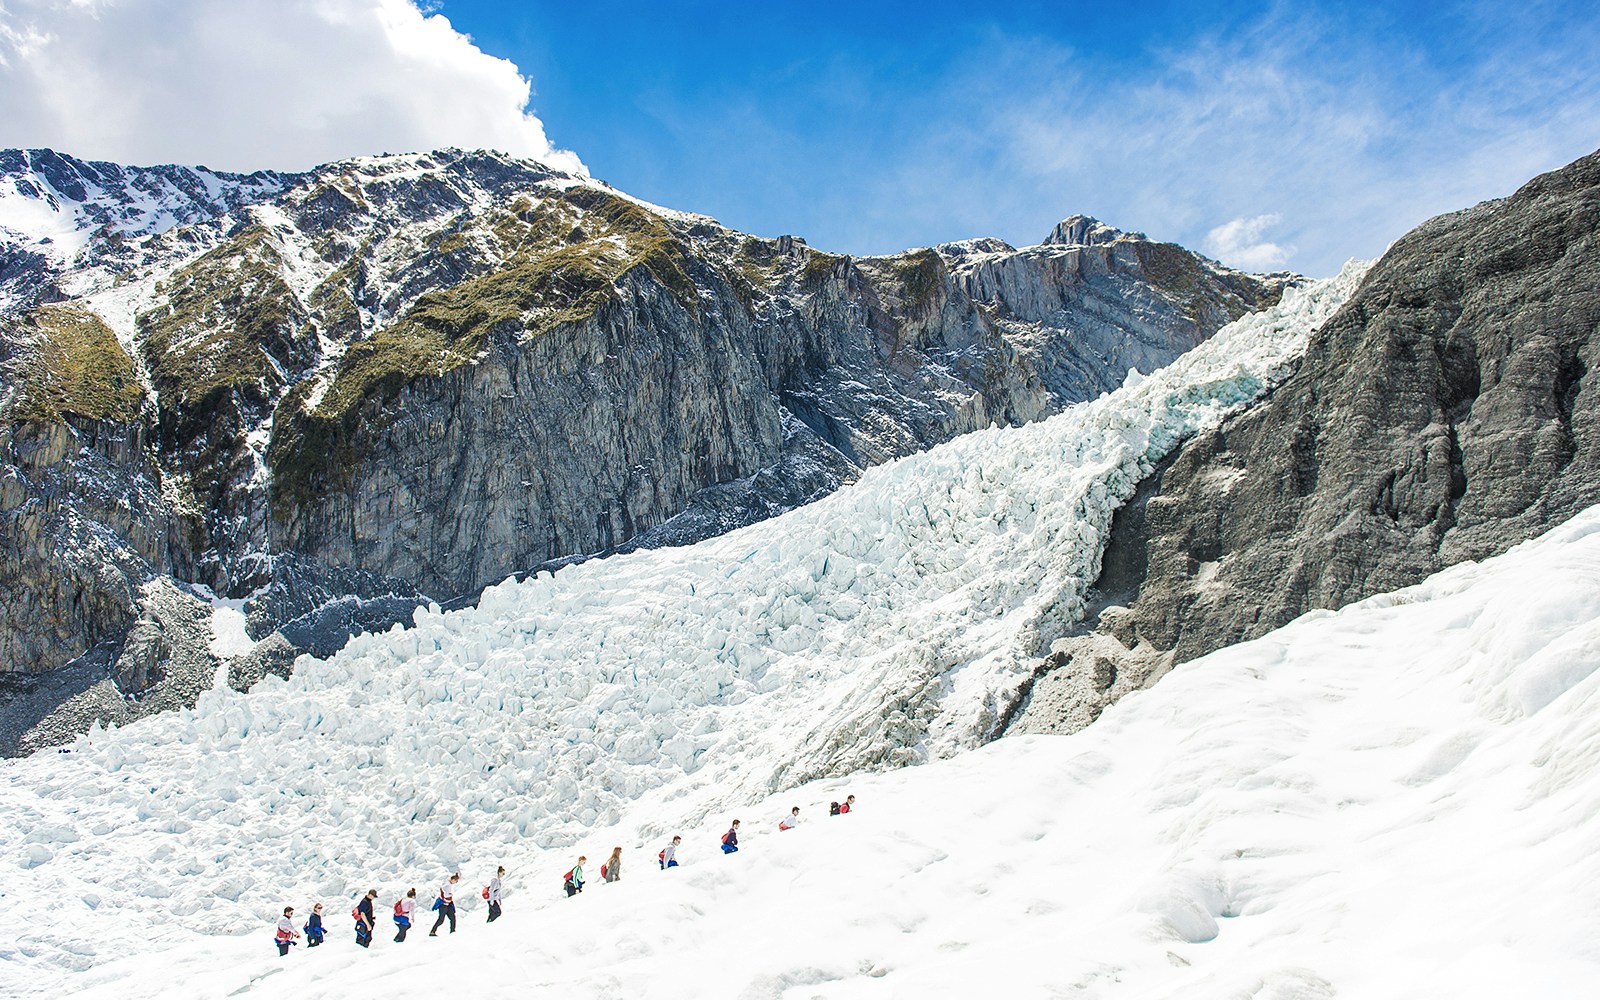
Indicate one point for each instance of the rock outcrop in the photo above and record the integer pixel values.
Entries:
(1448, 412)
(396, 380)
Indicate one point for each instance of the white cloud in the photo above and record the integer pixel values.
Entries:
(246, 84)
(1238, 243)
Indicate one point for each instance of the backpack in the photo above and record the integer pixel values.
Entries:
(662, 857)
(602, 871)
(399, 908)
(833, 809)
(485, 892)
(355, 913)
(568, 875)
(726, 836)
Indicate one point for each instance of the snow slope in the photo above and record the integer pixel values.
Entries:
(882, 626)
(1398, 800)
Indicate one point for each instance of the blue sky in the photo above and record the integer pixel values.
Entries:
(1268, 134)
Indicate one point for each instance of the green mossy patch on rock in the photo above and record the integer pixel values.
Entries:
(75, 366)
(818, 268)
(565, 257)
(222, 311)
(921, 275)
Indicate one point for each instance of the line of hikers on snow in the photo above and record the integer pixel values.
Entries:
(364, 913)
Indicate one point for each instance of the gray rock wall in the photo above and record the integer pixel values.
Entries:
(1448, 412)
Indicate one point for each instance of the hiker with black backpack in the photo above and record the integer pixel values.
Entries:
(446, 904)
(404, 907)
(491, 892)
(573, 879)
(669, 854)
(611, 870)
(364, 919)
(730, 840)
(840, 808)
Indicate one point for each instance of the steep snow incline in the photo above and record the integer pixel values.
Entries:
(1400, 800)
(882, 626)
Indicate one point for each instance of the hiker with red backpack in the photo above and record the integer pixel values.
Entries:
(446, 904)
(669, 854)
(574, 878)
(365, 919)
(403, 908)
(285, 937)
(491, 892)
(790, 821)
(611, 870)
(730, 840)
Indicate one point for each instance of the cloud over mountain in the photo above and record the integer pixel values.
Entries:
(255, 83)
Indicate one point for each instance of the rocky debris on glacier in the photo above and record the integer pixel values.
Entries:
(399, 379)
(1450, 411)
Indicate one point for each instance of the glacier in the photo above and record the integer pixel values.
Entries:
(887, 625)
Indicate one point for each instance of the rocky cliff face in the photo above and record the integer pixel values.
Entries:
(328, 397)
(1448, 412)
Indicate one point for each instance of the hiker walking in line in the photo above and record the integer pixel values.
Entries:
(492, 893)
(669, 854)
(730, 840)
(314, 929)
(574, 878)
(403, 908)
(611, 871)
(364, 919)
(840, 808)
(286, 934)
(446, 904)
(790, 821)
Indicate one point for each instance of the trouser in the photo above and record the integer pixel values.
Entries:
(364, 935)
(283, 947)
(312, 940)
(494, 910)
(447, 911)
(404, 925)
(730, 848)
(571, 887)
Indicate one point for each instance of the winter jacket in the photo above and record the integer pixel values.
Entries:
(494, 889)
(613, 869)
(286, 931)
(670, 855)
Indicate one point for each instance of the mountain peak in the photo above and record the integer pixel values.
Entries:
(1083, 230)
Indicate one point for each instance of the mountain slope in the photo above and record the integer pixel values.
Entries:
(404, 378)
(1451, 411)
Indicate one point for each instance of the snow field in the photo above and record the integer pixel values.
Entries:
(882, 626)
(1398, 800)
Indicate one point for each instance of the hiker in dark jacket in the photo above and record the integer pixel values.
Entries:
(446, 905)
(365, 920)
(730, 840)
(314, 931)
